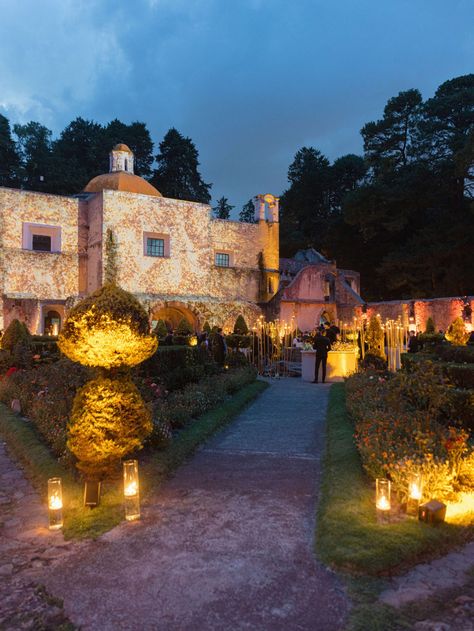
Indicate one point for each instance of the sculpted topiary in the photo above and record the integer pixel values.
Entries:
(109, 329)
(109, 419)
(16, 333)
(160, 329)
(375, 338)
(240, 326)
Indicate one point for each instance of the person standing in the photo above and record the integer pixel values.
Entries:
(322, 346)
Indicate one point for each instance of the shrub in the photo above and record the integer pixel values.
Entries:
(461, 375)
(375, 338)
(430, 341)
(108, 421)
(160, 329)
(430, 326)
(109, 328)
(206, 328)
(456, 354)
(238, 341)
(16, 333)
(240, 326)
(235, 360)
(457, 333)
(373, 362)
(184, 328)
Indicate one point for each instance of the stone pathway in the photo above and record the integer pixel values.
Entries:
(27, 547)
(446, 583)
(227, 543)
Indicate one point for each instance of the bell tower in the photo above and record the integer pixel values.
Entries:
(121, 159)
(266, 214)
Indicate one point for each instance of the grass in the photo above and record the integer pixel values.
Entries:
(349, 539)
(79, 522)
(348, 536)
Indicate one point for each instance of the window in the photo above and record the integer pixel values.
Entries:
(41, 238)
(222, 259)
(41, 242)
(156, 244)
(155, 247)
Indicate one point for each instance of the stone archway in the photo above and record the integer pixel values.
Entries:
(173, 313)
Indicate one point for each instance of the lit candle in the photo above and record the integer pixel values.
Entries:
(415, 491)
(55, 503)
(383, 503)
(382, 495)
(131, 490)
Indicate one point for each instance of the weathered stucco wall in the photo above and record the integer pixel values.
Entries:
(30, 275)
(194, 237)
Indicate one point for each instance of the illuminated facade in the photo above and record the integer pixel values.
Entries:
(172, 254)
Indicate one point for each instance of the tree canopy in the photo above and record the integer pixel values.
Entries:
(222, 208)
(247, 213)
(177, 174)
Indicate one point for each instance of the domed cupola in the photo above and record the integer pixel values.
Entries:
(121, 176)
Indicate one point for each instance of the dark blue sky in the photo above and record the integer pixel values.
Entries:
(250, 81)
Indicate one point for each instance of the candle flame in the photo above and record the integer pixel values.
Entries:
(415, 491)
(383, 503)
(55, 502)
(131, 489)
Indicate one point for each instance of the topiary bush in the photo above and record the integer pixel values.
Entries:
(240, 326)
(457, 333)
(109, 420)
(375, 338)
(109, 329)
(430, 326)
(206, 328)
(16, 333)
(160, 329)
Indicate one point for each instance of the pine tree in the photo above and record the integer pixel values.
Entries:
(247, 214)
(375, 338)
(222, 209)
(9, 158)
(177, 175)
(430, 326)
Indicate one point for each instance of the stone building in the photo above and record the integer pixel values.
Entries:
(172, 254)
(314, 291)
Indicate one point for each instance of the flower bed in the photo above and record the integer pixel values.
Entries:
(403, 425)
(46, 392)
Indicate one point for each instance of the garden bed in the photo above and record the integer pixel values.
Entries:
(39, 464)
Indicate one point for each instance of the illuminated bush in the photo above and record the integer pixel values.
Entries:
(457, 334)
(107, 329)
(109, 420)
(375, 338)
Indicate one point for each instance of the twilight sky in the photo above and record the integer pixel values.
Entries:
(250, 81)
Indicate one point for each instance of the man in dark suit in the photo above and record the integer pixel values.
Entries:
(322, 346)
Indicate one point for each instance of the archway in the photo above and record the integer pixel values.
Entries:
(172, 316)
(51, 323)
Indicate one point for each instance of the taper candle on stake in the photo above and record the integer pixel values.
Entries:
(131, 490)
(55, 503)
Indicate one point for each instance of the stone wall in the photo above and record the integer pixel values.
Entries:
(442, 310)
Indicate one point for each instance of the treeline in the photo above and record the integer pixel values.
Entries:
(31, 159)
(402, 214)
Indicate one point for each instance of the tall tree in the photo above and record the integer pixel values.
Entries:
(222, 209)
(305, 206)
(77, 157)
(247, 213)
(34, 147)
(177, 174)
(9, 158)
(391, 142)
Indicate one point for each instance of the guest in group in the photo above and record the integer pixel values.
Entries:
(413, 343)
(322, 346)
(168, 341)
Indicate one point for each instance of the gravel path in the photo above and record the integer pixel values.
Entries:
(227, 544)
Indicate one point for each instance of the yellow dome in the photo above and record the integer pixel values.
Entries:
(122, 147)
(121, 181)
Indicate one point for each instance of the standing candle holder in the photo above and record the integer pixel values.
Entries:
(55, 503)
(382, 498)
(415, 492)
(131, 490)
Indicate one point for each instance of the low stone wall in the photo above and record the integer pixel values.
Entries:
(442, 310)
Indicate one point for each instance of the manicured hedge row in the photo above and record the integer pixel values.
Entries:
(178, 365)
